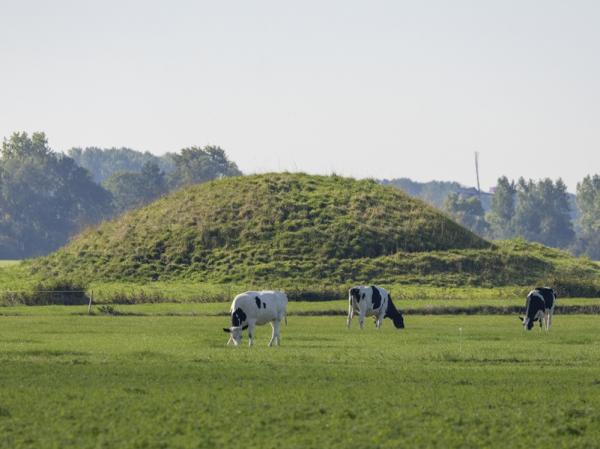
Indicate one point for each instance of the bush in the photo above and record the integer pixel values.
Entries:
(53, 292)
(573, 287)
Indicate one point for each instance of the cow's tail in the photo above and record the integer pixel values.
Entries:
(285, 317)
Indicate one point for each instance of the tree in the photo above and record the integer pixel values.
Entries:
(132, 190)
(195, 165)
(542, 212)
(588, 202)
(44, 197)
(468, 212)
(502, 213)
(103, 163)
(432, 192)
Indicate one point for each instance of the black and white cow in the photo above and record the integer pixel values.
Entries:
(372, 301)
(539, 306)
(255, 308)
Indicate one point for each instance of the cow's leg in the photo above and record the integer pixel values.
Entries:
(380, 318)
(277, 332)
(549, 318)
(272, 334)
(251, 327)
(361, 318)
(350, 314)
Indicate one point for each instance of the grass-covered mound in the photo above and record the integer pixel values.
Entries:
(312, 235)
(252, 227)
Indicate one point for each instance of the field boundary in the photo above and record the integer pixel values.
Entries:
(113, 310)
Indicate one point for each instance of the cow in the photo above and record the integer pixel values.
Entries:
(539, 306)
(372, 301)
(251, 308)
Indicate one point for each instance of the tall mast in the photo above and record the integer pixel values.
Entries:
(477, 173)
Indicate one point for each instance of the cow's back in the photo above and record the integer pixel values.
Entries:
(535, 303)
(279, 300)
(261, 306)
(548, 295)
(372, 298)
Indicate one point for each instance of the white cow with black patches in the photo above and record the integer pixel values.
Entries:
(252, 308)
(539, 306)
(372, 301)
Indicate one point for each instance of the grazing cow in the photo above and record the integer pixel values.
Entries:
(539, 306)
(372, 301)
(251, 308)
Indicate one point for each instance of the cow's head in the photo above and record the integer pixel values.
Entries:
(527, 322)
(238, 317)
(354, 292)
(399, 321)
(235, 333)
(531, 318)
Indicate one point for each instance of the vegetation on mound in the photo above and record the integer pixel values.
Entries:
(313, 235)
(248, 227)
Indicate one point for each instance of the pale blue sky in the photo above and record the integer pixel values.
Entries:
(370, 88)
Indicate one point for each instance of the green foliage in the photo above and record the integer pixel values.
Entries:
(47, 292)
(104, 163)
(133, 190)
(542, 212)
(264, 227)
(170, 381)
(308, 234)
(536, 211)
(44, 197)
(434, 192)
(503, 209)
(468, 212)
(195, 165)
(588, 202)
(135, 178)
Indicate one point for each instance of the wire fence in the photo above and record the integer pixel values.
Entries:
(45, 297)
(150, 294)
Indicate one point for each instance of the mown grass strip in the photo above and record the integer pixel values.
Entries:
(134, 311)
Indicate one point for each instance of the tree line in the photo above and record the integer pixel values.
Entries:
(46, 197)
(538, 211)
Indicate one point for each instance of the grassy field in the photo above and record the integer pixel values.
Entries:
(170, 382)
(297, 308)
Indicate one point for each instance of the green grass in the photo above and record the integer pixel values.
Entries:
(313, 236)
(260, 227)
(302, 233)
(15, 276)
(160, 381)
(300, 308)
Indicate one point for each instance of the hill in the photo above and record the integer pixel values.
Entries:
(255, 227)
(302, 232)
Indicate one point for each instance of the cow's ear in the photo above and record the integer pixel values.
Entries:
(226, 329)
(245, 327)
(520, 318)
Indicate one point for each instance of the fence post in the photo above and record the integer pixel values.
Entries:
(90, 303)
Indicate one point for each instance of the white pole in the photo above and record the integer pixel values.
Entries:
(90, 303)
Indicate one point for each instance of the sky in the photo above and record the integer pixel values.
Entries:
(381, 89)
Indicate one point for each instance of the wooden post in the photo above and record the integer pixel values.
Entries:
(90, 303)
